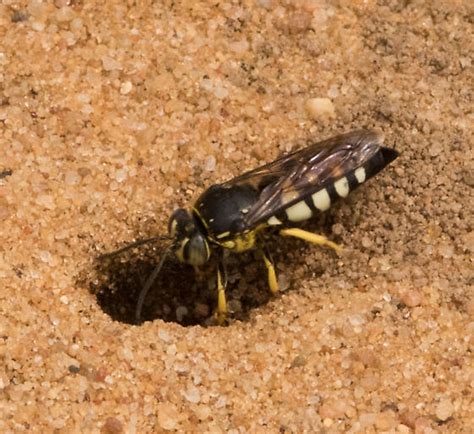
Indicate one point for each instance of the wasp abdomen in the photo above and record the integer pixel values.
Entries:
(323, 198)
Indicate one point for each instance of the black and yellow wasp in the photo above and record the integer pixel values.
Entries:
(231, 216)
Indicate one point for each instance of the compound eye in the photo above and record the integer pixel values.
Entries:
(196, 250)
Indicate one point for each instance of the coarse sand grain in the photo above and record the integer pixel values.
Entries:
(113, 114)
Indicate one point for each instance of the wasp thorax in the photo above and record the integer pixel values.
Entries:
(190, 242)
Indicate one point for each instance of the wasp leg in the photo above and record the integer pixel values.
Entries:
(310, 237)
(221, 313)
(272, 278)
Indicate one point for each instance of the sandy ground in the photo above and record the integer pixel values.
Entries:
(112, 116)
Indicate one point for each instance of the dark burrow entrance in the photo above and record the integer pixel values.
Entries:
(178, 294)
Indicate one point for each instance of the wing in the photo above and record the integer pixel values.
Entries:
(267, 174)
(299, 174)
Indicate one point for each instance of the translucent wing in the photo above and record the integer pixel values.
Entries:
(296, 175)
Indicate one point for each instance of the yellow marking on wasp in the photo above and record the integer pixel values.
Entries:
(273, 221)
(310, 237)
(204, 222)
(299, 212)
(223, 235)
(240, 242)
(180, 251)
(360, 175)
(342, 186)
(228, 244)
(174, 225)
(321, 200)
(244, 242)
(272, 279)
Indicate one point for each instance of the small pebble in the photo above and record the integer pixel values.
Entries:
(468, 177)
(164, 335)
(283, 282)
(444, 410)
(411, 298)
(366, 242)
(403, 429)
(121, 175)
(39, 26)
(112, 426)
(298, 361)
(171, 350)
(221, 92)
(234, 306)
(110, 64)
(333, 91)
(126, 87)
(46, 200)
(239, 46)
(357, 320)
(73, 369)
(468, 241)
(267, 4)
(446, 250)
(328, 422)
(192, 394)
(333, 409)
(203, 412)
(181, 312)
(299, 21)
(45, 256)
(62, 3)
(64, 299)
(318, 108)
(367, 419)
(72, 177)
(210, 163)
(65, 14)
(206, 84)
(386, 421)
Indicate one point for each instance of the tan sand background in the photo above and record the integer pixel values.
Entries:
(113, 115)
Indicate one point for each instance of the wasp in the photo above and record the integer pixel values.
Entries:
(232, 216)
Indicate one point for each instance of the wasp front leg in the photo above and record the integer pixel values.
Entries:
(221, 312)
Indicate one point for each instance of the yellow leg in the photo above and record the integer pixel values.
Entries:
(310, 237)
(221, 312)
(272, 278)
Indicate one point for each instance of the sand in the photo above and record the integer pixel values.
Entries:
(112, 116)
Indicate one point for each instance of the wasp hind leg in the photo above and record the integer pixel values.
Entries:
(310, 237)
(272, 278)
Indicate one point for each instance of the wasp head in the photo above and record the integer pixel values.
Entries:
(190, 244)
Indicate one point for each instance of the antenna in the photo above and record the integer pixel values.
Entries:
(131, 246)
(149, 282)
